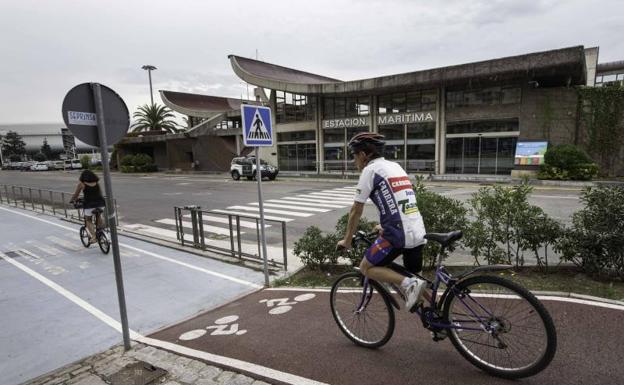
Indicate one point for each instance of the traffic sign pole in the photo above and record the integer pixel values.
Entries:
(110, 211)
(261, 208)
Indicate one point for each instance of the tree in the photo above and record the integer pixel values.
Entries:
(154, 118)
(46, 149)
(40, 157)
(13, 145)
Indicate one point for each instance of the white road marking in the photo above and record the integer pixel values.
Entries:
(316, 200)
(302, 203)
(152, 230)
(183, 184)
(49, 250)
(291, 207)
(208, 228)
(241, 213)
(345, 194)
(211, 218)
(330, 196)
(158, 256)
(175, 193)
(256, 209)
(64, 243)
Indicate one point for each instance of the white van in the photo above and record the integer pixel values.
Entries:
(73, 164)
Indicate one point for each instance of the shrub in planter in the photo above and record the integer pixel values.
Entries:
(440, 215)
(567, 161)
(595, 241)
(127, 160)
(141, 161)
(315, 249)
(85, 161)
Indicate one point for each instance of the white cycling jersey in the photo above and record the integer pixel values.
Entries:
(390, 189)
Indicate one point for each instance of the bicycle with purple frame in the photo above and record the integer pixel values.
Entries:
(496, 324)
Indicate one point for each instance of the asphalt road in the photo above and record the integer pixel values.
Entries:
(146, 201)
(303, 339)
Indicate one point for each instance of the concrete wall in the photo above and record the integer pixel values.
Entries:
(178, 153)
(214, 153)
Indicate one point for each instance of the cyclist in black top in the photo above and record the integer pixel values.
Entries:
(93, 199)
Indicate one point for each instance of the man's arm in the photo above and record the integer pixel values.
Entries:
(354, 219)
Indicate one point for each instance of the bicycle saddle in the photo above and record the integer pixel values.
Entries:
(444, 238)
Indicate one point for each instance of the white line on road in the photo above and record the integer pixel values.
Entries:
(207, 228)
(303, 203)
(206, 271)
(331, 196)
(211, 218)
(247, 215)
(257, 209)
(317, 200)
(291, 207)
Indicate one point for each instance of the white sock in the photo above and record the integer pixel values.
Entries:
(407, 281)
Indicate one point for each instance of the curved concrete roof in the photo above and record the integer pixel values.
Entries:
(557, 67)
(201, 106)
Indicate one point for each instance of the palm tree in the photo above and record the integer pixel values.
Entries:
(154, 117)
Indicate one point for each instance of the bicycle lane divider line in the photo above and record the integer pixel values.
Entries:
(158, 256)
(238, 365)
(542, 297)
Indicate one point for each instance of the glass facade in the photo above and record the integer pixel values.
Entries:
(483, 96)
(336, 108)
(294, 108)
(415, 101)
(297, 157)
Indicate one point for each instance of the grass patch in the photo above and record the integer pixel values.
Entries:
(564, 279)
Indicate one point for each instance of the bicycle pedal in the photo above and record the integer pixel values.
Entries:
(438, 336)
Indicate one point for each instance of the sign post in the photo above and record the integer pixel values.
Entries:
(258, 132)
(96, 115)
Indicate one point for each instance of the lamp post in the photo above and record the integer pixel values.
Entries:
(149, 68)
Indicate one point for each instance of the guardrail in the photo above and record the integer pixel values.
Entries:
(234, 224)
(41, 200)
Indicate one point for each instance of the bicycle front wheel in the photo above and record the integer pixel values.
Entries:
(103, 242)
(500, 327)
(84, 236)
(365, 317)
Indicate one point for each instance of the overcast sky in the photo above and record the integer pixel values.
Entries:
(49, 46)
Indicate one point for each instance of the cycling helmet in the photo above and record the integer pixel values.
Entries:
(369, 142)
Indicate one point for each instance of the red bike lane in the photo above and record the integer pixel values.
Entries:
(293, 331)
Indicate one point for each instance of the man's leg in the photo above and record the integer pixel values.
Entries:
(90, 228)
(380, 273)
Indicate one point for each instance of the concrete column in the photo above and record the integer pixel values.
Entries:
(320, 153)
(440, 146)
(372, 113)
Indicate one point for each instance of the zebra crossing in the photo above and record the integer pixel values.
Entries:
(286, 208)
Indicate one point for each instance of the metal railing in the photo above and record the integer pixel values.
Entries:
(235, 250)
(41, 200)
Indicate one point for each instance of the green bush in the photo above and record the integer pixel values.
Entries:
(315, 249)
(127, 169)
(127, 160)
(39, 157)
(565, 162)
(505, 226)
(137, 163)
(140, 161)
(85, 161)
(440, 215)
(595, 241)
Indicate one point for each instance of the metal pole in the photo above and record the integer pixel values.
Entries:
(41, 199)
(52, 202)
(264, 249)
(32, 202)
(149, 73)
(238, 238)
(99, 110)
(231, 234)
(200, 221)
(22, 197)
(284, 245)
(63, 203)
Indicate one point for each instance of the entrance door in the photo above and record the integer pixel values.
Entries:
(480, 155)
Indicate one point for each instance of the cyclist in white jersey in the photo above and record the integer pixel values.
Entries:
(401, 228)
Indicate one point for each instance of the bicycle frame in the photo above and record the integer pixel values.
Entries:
(441, 277)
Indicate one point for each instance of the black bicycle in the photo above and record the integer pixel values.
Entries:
(496, 324)
(101, 230)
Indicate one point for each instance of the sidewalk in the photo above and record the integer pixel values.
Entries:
(141, 363)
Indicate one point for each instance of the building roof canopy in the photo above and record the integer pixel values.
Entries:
(561, 67)
(201, 106)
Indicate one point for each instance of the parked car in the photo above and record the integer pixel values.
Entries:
(39, 167)
(246, 166)
(73, 164)
(25, 166)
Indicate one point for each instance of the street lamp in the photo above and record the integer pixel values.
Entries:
(149, 68)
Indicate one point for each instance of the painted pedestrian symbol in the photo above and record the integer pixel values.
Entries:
(257, 125)
(223, 327)
(258, 128)
(281, 305)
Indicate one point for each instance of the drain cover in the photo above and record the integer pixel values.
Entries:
(140, 373)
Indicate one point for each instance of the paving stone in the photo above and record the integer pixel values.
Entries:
(68, 369)
(210, 372)
(58, 380)
(206, 381)
(258, 382)
(241, 379)
(172, 383)
(91, 380)
(197, 366)
(225, 377)
(84, 368)
(188, 378)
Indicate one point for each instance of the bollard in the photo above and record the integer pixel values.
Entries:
(200, 221)
(238, 237)
(41, 199)
(22, 196)
(231, 234)
(32, 202)
(258, 238)
(52, 202)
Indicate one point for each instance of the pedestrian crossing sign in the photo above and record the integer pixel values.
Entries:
(257, 126)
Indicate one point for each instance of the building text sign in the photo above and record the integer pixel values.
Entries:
(82, 118)
(363, 121)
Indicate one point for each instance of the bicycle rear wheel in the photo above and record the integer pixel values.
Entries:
(103, 242)
(367, 319)
(84, 236)
(507, 331)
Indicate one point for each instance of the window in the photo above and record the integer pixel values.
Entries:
(485, 96)
(481, 126)
(294, 108)
(336, 108)
(295, 136)
(414, 101)
(394, 132)
(421, 130)
(334, 136)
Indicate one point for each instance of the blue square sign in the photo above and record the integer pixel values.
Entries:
(257, 128)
